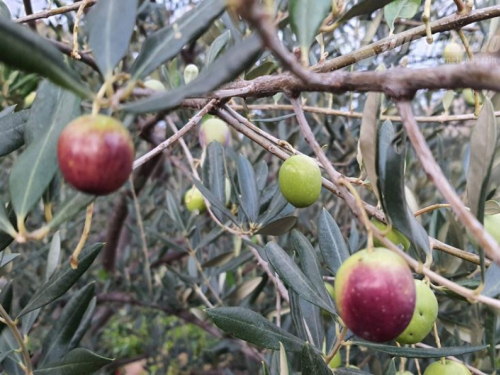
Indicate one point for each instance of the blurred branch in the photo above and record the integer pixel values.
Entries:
(416, 265)
(52, 12)
(433, 170)
(67, 50)
(174, 138)
(481, 75)
(29, 11)
(328, 111)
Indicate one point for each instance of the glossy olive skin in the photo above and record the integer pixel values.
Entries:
(395, 236)
(375, 294)
(336, 361)
(212, 130)
(194, 200)
(448, 368)
(95, 154)
(426, 312)
(300, 180)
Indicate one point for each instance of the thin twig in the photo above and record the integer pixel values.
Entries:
(73, 260)
(28, 9)
(28, 367)
(433, 170)
(53, 12)
(147, 266)
(334, 112)
(417, 266)
(174, 138)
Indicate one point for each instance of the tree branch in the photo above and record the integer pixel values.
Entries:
(52, 12)
(434, 172)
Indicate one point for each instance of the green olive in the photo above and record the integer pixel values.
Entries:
(424, 316)
(194, 200)
(300, 180)
(446, 368)
(395, 236)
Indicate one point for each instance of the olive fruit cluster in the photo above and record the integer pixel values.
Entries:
(380, 282)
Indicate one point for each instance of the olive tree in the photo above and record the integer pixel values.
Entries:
(243, 186)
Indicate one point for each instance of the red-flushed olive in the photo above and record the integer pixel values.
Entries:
(95, 154)
(375, 294)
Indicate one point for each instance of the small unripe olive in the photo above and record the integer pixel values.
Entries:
(453, 53)
(194, 200)
(154, 85)
(492, 226)
(95, 154)
(300, 180)
(395, 236)
(29, 99)
(336, 361)
(331, 290)
(424, 316)
(212, 130)
(447, 368)
(190, 73)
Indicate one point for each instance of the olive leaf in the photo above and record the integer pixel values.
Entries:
(23, 49)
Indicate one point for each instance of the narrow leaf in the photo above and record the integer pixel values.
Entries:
(62, 280)
(253, 328)
(408, 352)
(217, 46)
(306, 18)
(25, 50)
(166, 43)
(77, 362)
(368, 138)
(400, 9)
(12, 131)
(363, 7)
(309, 263)
(331, 242)
(110, 25)
(293, 277)
(54, 254)
(283, 361)
(482, 151)
(37, 165)
(492, 281)
(278, 227)
(390, 170)
(228, 67)
(248, 189)
(55, 344)
(313, 363)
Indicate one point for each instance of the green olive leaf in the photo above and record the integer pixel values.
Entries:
(233, 62)
(34, 169)
(306, 18)
(166, 43)
(25, 50)
(253, 328)
(110, 25)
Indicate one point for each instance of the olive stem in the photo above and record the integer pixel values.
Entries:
(147, 267)
(364, 215)
(28, 368)
(76, 27)
(83, 239)
(426, 19)
(431, 208)
(338, 344)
